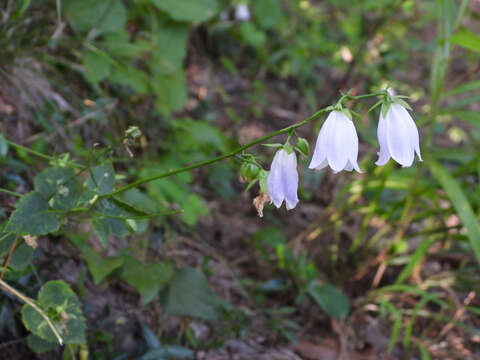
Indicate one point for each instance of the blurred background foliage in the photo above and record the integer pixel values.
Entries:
(376, 265)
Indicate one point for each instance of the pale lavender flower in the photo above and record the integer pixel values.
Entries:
(242, 13)
(282, 181)
(398, 137)
(337, 144)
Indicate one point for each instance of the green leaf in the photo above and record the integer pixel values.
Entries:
(102, 178)
(39, 345)
(189, 294)
(97, 66)
(170, 90)
(333, 301)
(62, 183)
(6, 241)
(61, 305)
(460, 203)
(147, 279)
(466, 39)
(100, 267)
(268, 13)
(105, 16)
(32, 216)
(188, 10)
(22, 257)
(102, 230)
(193, 207)
(251, 35)
(171, 44)
(471, 86)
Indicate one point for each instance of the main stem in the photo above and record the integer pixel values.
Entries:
(216, 159)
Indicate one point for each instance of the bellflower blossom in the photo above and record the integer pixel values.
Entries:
(282, 181)
(242, 13)
(337, 144)
(398, 137)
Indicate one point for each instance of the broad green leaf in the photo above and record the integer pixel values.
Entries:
(466, 39)
(189, 294)
(100, 267)
(147, 279)
(193, 207)
(102, 178)
(171, 91)
(6, 241)
(171, 47)
(128, 75)
(268, 13)
(188, 10)
(58, 186)
(22, 257)
(39, 345)
(460, 203)
(32, 216)
(102, 230)
(105, 16)
(97, 65)
(251, 35)
(333, 301)
(60, 303)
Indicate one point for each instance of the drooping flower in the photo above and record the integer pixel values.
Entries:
(242, 13)
(337, 144)
(398, 137)
(282, 181)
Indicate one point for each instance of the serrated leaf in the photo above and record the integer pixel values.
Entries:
(59, 187)
(188, 10)
(102, 178)
(147, 279)
(64, 310)
(32, 216)
(189, 294)
(333, 301)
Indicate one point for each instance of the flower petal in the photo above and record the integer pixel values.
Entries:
(351, 142)
(414, 137)
(384, 153)
(275, 180)
(338, 150)
(399, 137)
(321, 146)
(290, 177)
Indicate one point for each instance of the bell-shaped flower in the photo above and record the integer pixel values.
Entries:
(398, 137)
(337, 144)
(282, 181)
(242, 13)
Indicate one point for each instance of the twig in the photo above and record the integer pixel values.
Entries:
(31, 303)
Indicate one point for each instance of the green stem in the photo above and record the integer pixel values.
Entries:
(216, 159)
(13, 193)
(39, 154)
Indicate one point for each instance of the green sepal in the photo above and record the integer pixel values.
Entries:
(385, 108)
(397, 100)
(302, 146)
